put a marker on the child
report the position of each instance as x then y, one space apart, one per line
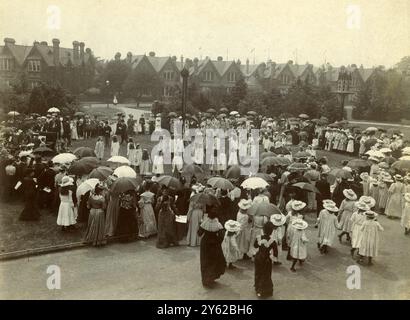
132 155
369 244
158 165
357 219
99 148
264 243
384 185
294 214
405 217
145 161
115 146
365 182
298 243
229 245
345 213
327 224
244 235
67 215
130 142
278 221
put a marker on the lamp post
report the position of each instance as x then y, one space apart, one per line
184 75
107 84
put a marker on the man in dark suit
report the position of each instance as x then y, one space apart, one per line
225 209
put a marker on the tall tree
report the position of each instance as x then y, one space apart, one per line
139 83
116 72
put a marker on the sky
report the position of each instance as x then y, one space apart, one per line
341 32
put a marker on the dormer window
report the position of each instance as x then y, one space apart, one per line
232 76
6 64
34 65
169 75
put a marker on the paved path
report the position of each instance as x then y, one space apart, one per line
139 270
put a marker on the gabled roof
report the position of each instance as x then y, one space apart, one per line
222 66
366 73
19 52
250 71
158 62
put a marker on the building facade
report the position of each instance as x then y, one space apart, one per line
72 68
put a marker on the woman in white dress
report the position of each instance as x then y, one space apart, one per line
395 201
147 225
199 149
298 243
345 213
158 164
73 127
244 236
67 213
405 218
233 150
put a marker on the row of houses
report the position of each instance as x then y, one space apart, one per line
220 76
73 68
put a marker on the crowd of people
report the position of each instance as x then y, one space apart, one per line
213 205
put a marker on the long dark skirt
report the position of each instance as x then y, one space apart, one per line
30 211
211 257
126 226
263 273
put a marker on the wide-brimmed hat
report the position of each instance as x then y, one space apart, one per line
371 214
67 181
232 226
328 201
298 205
368 200
350 194
383 165
330 207
299 224
245 204
362 206
364 176
398 177
278 219
373 159
387 179
407 197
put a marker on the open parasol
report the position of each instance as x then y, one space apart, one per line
170 182
82 152
263 209
124 184
220 183
254 183
125 171
101 173
64 158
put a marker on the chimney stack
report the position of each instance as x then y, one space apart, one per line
76 53
152 54
182 59
196 61
82 52
44 43
117 56
56 52
9 41
129 57
220 58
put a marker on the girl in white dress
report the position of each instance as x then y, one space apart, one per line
73 127
233 150
345 213
229 244
357 219
99 148
298 243
67 213
158 164
115 146
369 244
405 217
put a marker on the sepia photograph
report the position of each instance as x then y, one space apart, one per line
205 150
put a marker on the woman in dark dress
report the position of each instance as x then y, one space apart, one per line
263 264
127 226
96 204
166 225
211 255
29 186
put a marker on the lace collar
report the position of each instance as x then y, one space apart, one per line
211 225
264 242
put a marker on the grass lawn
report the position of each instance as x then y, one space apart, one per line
17 235
388 127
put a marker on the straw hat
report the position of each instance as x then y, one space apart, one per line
407 197
388 179
232 226
298 205
330 207
364 176
245 204
349 194
373 159
328 201
67 181
368 200
362 206
299 224
278 219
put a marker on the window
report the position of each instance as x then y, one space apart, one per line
34 65
285 79
232 77
208 76
169 75
6 64
167 91
34 84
